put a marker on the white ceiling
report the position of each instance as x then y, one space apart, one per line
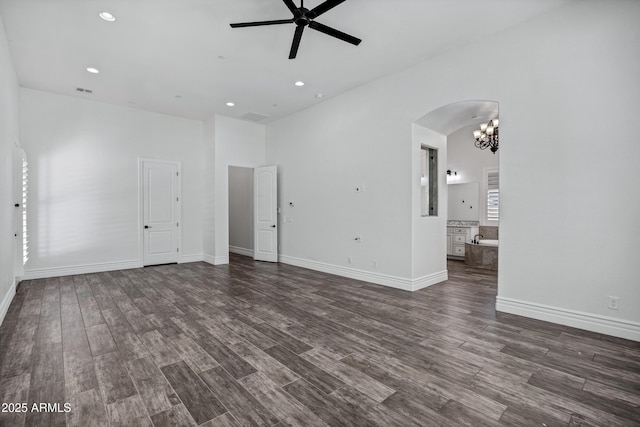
180 57
449 118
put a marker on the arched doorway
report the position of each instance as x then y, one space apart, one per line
446 134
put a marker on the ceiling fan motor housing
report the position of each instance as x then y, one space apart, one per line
300 17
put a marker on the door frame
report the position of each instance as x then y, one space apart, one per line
241 251
141 162
226 201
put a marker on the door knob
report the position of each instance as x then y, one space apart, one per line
147 226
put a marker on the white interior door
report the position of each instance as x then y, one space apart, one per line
265 230
161 202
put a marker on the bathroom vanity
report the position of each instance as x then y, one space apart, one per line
459 233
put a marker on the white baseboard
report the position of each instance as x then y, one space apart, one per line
367 276
576 319
216 260
430 279
241 251
6 301
220 260
41 273
190 258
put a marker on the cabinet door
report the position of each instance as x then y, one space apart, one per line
449 244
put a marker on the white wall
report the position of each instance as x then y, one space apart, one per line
470 163
463 202
466 159
573 72
9 108
237 143
241 210
569 205
84 200
209 191
324 153
429 234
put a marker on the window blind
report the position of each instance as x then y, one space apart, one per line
493 196
25 194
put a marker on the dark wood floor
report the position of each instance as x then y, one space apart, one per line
275 345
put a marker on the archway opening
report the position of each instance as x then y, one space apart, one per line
465 183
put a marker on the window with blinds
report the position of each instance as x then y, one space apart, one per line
493 196
25 194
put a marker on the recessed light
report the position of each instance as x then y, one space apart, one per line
230 104
93 70
319 95
299 83
107 16
220 57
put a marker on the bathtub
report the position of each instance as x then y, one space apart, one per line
483 254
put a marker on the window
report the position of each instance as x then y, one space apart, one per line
429 181
25 191
493 196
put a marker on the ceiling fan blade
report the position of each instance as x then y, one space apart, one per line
334 33
260 23
322 8
296 41
292 7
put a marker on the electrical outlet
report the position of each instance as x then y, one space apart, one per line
614 303
374 264
349 260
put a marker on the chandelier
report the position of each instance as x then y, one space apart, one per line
487 136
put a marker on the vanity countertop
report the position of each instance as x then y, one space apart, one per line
455 223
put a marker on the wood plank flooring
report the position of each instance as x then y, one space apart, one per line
257 344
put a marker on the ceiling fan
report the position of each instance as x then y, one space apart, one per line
303 17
